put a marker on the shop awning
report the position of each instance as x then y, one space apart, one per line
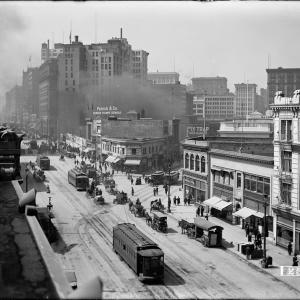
112 159
132 162
246 212
221 205
211 201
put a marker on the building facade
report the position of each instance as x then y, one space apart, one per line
163 77
214 107
48 99
286 193
245 97
140 64
216 86
286 80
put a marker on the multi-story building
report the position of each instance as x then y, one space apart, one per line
286 80
48 98
47 53
232 178
216 86
163 77
140 64
14 105
245 97
286 192
261 103
214 107
30 94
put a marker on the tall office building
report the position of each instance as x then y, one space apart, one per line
245 97
282 79
163 77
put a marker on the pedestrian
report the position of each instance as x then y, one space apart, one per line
189 201
154 191
132 191
198 211
295 260
255 232
247 229
174 200
249 237
157 191
248 252
290 248
178 200
202 211
206 216
184 200
131 181
169 203
166 190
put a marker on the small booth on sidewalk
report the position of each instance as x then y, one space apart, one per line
208 233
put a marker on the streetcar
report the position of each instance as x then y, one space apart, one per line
142 255
78 179
172 179
157 177
43 162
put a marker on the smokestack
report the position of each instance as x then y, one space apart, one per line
76 38
121 33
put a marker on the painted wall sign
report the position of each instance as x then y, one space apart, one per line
107 110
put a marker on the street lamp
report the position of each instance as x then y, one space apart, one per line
26 178
265 232
169 198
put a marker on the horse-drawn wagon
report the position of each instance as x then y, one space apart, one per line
159 222
121 198
137 208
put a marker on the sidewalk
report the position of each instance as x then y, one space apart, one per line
234 234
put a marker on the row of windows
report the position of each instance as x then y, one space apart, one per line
66 82
152 149
257 184
193 163
71 89
114 149
71 75
223 177
71 61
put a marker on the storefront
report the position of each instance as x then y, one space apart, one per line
287 228
194 188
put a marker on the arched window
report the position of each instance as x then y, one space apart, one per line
202 164
192 162
197 163
186 163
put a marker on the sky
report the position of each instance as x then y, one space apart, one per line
196 39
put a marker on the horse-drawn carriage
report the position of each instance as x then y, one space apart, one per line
99 199
157 205
159 222
188 227
38 174
121 198
137 208
110 186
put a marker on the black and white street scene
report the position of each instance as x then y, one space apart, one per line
149 150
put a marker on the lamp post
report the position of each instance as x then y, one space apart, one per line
265 232
169 198
26 178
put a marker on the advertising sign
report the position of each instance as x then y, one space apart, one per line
107 110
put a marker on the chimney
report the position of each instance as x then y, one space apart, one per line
76 38
121 33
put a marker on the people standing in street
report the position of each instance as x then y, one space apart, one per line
169 204
154 191
295 260
174 200
206 216
132 191
198 211
249 237
157 191
189 201
289 248
178 200
131 181
202 211
247 229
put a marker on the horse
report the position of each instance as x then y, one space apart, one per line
148 219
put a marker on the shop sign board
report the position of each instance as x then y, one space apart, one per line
109 110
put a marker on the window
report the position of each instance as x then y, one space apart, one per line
144 150
239 180
287 193
247 182
286 130
123 151
253 184
287 161
260 185
186 161
217 176
192 162
197 163
71 75
133 151
203 164
66 75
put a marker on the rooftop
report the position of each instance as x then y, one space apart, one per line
23 273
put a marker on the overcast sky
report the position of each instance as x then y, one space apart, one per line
231 39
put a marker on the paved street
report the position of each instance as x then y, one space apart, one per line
191 271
